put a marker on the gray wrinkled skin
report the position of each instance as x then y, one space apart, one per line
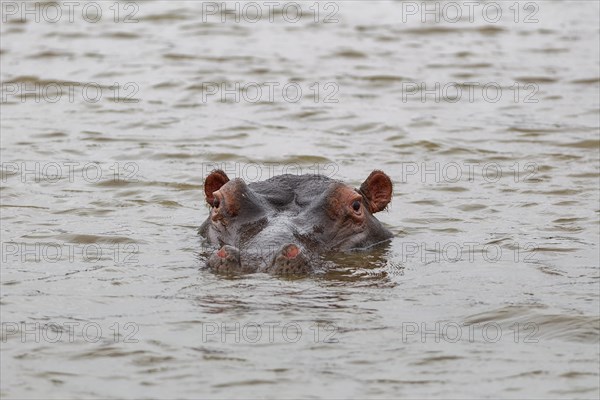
282 211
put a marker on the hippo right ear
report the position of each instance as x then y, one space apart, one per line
213 182
377 189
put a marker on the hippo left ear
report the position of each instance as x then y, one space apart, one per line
377 189
213 182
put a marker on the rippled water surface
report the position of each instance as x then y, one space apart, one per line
490 287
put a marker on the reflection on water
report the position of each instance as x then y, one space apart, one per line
489 131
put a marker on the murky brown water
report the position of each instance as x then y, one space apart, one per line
490 287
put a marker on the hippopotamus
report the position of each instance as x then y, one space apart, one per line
281 225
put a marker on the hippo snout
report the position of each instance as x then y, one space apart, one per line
290 259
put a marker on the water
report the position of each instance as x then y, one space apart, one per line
489 288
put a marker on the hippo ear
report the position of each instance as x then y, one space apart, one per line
377 189
213 182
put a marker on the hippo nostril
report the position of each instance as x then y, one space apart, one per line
290 260
227 260
216 203
291 251
222 253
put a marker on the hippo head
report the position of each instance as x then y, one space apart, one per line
281 225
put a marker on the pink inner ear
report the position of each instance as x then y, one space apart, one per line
213 182
377 188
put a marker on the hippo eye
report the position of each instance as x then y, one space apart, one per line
216 203
356 205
